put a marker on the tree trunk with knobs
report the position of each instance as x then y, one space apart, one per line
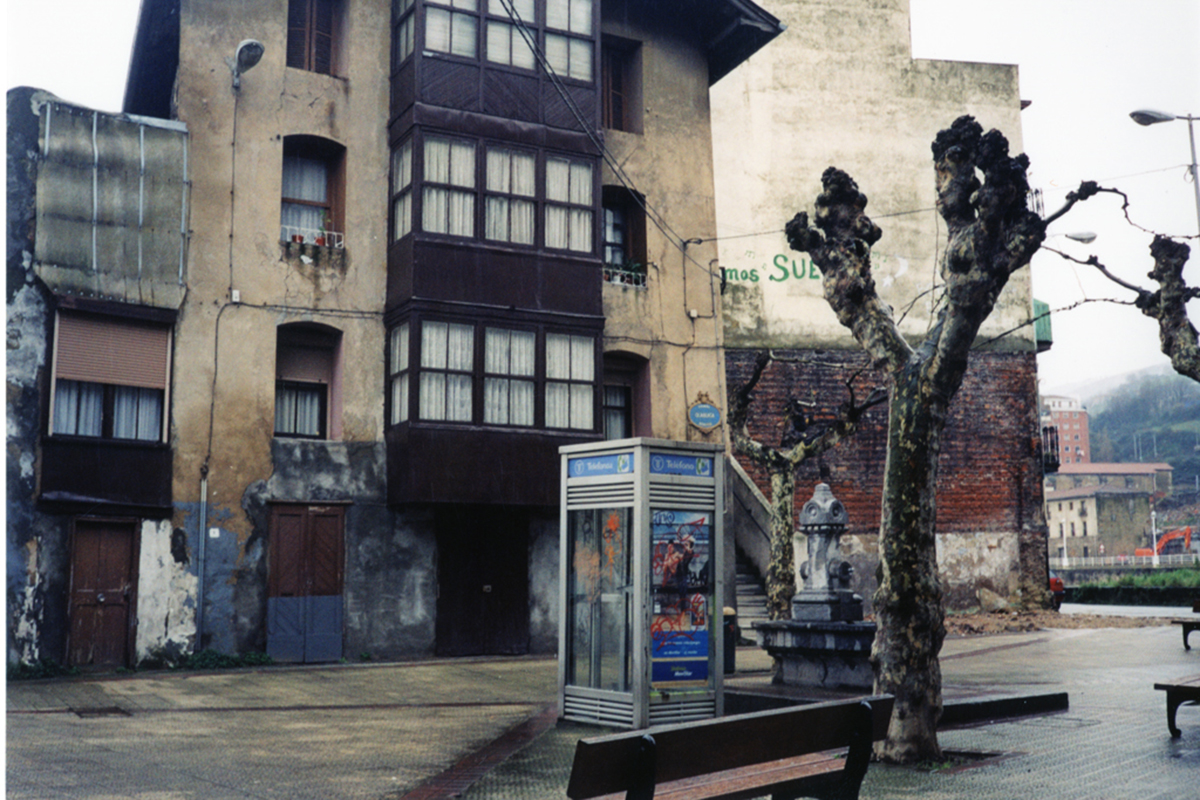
991 235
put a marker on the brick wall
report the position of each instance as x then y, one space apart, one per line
989 471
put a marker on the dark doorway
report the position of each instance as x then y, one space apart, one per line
103 593
304 585
483 581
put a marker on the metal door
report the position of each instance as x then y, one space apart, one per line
103 595
304 588
483 581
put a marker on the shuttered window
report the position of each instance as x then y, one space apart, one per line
310 43
110 377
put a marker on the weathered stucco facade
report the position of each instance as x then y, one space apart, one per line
1094 521
840 88
301 495
671 326
97 214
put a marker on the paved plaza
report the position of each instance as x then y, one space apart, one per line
486 728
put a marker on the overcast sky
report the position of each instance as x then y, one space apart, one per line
1084 65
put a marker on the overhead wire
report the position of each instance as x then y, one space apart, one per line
674 238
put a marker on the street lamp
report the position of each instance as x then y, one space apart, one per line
1086 237
1147 116
249 52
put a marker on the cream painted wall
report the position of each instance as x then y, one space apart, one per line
237 138
675 321
840 88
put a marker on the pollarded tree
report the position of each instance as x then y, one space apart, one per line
991 235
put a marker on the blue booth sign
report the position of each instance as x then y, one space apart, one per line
704 415
690 465
593 466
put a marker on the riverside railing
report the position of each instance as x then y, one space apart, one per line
1174 561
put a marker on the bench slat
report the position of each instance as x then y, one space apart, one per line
747 782
607 764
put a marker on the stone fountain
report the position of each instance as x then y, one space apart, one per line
826 643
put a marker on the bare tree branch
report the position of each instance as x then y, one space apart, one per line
803 440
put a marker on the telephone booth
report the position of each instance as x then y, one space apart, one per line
641 577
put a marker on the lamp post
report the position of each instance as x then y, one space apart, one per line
1149 117
1154 537
1066 562
1086 237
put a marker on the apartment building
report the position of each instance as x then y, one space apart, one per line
408 250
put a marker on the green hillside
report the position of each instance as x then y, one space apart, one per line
1151 418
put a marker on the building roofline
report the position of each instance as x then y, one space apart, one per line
1115 469
1095 491
736 30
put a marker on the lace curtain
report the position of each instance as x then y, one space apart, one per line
78 408
402 197
137 413
508 401
298 410
569 57
445 395
398 368
569 358
447 210
570 15
304 179
509 219
506 45
568 182
79 411
447 32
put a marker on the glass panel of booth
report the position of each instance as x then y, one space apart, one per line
601 593
682 586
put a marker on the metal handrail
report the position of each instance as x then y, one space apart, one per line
1173 560
314 236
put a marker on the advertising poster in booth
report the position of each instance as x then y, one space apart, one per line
681 583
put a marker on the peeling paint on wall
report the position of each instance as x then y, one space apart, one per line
969 562
166 608
543 585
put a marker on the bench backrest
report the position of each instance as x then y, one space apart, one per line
609 764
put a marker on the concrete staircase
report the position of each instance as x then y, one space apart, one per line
751 597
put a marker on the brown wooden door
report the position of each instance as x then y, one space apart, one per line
304 587
103 593
483 581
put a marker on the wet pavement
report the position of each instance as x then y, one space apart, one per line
486 728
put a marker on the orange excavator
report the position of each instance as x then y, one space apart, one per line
1171 543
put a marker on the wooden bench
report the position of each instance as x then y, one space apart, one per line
1189 625
787 753
1186 690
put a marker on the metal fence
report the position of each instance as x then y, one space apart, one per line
1173 561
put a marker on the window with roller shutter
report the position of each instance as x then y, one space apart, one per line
110 378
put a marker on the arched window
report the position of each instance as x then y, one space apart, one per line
307 396
312 191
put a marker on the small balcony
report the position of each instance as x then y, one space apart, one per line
105 473
629 274
319 237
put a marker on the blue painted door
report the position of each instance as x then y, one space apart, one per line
304 603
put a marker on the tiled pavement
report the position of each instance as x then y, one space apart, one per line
485 728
